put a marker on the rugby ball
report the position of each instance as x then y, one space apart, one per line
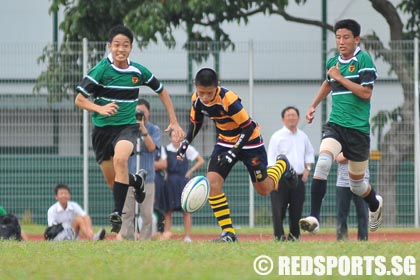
195 194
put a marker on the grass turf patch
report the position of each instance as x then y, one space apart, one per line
173 259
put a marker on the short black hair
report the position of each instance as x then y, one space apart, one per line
120 29
206 77
349 24
287 109
144 102
61 186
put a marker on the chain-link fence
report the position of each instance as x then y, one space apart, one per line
41 140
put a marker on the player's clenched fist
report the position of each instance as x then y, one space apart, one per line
310 114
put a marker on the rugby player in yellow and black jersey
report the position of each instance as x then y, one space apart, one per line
238 139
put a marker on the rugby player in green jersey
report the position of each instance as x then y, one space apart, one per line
350 78
113 85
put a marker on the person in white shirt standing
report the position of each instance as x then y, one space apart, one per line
295 144
73 218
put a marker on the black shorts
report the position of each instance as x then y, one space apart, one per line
355 143
255 161
105 138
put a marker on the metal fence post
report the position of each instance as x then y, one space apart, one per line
416 133
85 136
251 112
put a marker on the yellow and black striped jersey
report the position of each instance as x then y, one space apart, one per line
229 116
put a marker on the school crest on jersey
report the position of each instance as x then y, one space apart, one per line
351 68
135 79
255 161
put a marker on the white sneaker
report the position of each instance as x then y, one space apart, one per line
187 239
309 224
375 218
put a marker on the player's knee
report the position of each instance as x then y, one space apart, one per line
358 187
323 166
358 168
120 163
77 222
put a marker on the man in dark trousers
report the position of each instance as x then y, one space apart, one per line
295 144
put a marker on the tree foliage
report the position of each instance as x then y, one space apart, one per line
90 19
202 21
151 19
412 8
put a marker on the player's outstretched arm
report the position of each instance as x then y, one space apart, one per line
323 91
174 126
193 129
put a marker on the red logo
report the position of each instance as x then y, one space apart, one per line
351 68
135 79
255 161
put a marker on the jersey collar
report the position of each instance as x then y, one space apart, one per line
356 51
111 60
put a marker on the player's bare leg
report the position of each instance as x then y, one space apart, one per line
281 168
219 204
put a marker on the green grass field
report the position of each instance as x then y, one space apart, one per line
172 259
179 260
39 229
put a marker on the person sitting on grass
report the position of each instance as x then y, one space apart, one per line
71 216
10 227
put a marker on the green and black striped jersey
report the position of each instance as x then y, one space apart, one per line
349 110
106 83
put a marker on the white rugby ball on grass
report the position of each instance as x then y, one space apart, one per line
195 194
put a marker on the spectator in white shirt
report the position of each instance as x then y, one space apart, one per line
71 215
295 144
